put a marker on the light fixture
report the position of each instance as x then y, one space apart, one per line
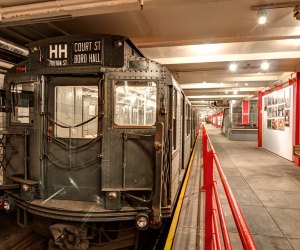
142 221
25 188
263 8
265 66
235 92
112 195
236 84
9 205
246 84
262 17
233 67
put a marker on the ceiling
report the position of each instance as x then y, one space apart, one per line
195 39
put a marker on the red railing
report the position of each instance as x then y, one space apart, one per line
212 237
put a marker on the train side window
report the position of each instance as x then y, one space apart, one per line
76 107
135 103
188 119
22 103
174 118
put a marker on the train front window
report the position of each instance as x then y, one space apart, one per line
76 109
135 103
22 103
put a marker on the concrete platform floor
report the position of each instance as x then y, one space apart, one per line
190 228
267 189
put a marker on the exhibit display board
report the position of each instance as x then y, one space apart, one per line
277 122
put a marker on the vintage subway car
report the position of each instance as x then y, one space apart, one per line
94 132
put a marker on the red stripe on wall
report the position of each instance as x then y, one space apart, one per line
259 107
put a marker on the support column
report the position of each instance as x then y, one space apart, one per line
297 115
245 110
259 122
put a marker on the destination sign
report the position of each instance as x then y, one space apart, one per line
75 53
86 52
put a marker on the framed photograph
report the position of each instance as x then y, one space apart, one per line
280 124
274 124
269 123
287 117
280 111
274 111
287 97
266 101
270 100
269 112
275 100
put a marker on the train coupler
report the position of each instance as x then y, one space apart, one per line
68 237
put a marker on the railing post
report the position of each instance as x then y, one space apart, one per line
209 200
204 155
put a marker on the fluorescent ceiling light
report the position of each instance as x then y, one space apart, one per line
214 96
262 17
233 67
262 20
265 66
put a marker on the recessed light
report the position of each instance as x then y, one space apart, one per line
262 17
265 66
233 67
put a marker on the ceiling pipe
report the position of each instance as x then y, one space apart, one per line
57 8
13 48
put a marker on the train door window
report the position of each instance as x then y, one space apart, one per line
75 108
22 103
174 118
135 103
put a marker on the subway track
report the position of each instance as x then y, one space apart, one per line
25 239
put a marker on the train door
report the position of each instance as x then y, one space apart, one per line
128 146
73 144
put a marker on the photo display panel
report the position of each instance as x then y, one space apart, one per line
277 122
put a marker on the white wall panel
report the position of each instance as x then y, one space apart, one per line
278 141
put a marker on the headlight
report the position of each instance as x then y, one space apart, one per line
9 205
142 221
112 195
25 187
6 206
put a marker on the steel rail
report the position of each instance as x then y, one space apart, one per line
225 233
241 224
216 231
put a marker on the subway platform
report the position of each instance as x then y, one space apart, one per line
266 187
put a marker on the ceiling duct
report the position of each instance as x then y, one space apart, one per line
297 12
13 48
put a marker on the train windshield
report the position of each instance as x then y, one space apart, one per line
135 103
22 103
76 109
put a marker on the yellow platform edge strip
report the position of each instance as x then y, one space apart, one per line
173 227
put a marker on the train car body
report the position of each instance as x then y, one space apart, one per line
94 132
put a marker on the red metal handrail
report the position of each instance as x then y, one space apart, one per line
211 232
